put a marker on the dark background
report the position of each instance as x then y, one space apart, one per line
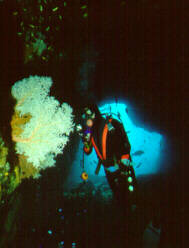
137 50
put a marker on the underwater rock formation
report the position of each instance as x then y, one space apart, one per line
40 128
101 192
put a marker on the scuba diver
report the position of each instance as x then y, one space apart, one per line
109 139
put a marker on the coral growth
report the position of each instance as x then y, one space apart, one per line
40 129
46 133
3 154
17 123
4 169
27 169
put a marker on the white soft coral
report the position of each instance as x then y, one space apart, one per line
47 132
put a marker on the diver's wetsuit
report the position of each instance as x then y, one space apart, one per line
117 173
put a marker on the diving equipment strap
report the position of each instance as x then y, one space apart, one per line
104 136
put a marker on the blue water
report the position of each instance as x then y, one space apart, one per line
149 149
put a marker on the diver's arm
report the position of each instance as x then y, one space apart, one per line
86 139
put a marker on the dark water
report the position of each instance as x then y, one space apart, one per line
140 58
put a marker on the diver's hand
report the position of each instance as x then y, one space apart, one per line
87 137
